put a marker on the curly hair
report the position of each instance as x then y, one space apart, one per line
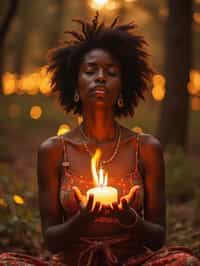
121 41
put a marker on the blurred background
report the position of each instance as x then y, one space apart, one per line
29 113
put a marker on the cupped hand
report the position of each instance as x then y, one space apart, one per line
123 209
86 205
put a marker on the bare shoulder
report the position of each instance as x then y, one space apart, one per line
150 148
51 147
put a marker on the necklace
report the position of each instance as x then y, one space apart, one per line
114 154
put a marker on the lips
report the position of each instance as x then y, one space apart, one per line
99 90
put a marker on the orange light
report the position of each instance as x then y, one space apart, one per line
98 4
196 17
195 103
158 91
18 199
35 112
137 129
79 119
64 128
9 83
45 81
3 203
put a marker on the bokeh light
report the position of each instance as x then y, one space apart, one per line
195 103
64 128
196 17
35 112
3 203
98 4
137 129
158 90
18 199
9 83
194 83
79 119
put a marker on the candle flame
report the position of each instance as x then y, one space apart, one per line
99 176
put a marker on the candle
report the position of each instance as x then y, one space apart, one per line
102 193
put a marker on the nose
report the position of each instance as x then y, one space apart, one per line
100 77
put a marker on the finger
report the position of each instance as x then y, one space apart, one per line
90 202
96 207
115 206
77 194
125 205
133 192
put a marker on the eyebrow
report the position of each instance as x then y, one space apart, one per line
94 64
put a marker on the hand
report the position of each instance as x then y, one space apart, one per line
86 205
123 210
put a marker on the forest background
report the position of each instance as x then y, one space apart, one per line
29 112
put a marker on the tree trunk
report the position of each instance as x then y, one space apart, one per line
4 29
173 127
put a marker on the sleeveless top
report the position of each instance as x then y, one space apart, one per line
123 185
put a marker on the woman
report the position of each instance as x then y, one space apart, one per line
102 74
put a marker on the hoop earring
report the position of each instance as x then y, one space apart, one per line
76 97
120 101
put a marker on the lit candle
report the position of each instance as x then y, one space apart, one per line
102 193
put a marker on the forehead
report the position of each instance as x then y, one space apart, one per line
99 56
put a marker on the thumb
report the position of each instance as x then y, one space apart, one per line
77 194
132 192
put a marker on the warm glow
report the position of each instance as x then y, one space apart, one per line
137 129
130 1
18 199
9 83
112 5
102 193
14 110
99 176
35 112
3 203
45 81
64 128
158 91
98 4
196 17
164 12
30 84
79 119
195 103
194 83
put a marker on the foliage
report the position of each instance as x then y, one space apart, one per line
19 226
181 177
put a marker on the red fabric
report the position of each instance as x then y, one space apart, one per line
173 256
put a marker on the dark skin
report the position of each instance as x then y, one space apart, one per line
99 85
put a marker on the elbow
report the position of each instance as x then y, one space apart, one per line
160 240
52 244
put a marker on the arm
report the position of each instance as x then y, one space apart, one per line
57 235
149 231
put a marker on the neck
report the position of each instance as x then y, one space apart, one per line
99 126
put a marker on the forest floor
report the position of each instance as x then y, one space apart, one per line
18 155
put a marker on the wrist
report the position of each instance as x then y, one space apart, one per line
130 220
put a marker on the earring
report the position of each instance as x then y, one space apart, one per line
76 97
120 101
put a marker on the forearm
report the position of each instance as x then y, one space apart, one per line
146 233
149 234
58 237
